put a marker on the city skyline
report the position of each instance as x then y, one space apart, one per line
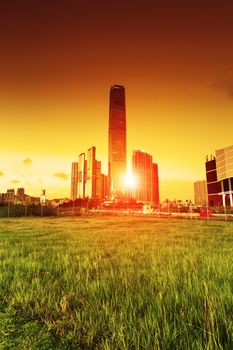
65 176
57 63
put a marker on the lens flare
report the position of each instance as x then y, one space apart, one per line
130 181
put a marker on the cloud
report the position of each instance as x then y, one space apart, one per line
27 161
1 173
14 182
61 176
225 86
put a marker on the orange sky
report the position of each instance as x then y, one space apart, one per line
58 61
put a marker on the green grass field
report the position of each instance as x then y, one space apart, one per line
116 283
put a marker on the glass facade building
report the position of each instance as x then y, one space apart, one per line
82 166
117 140
145 173
74 181
219 177
200 192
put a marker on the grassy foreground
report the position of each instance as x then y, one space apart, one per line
115 283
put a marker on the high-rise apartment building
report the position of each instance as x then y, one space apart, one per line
98 193
74 181
91 173
142 171
82 166
200 192
104 186
155 183
146 177
94 177
117 140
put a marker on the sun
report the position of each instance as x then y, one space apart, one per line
130 181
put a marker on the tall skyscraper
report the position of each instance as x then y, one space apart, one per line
91 173
74 181
98 193
142 170
155 183
117 140
200 192
93 188
104 186
146 177
82 166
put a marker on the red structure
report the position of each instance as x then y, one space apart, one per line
146 177
117 140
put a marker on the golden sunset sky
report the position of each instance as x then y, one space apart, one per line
59 59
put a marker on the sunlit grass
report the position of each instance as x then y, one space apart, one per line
115 283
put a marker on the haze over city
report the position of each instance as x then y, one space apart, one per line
58 62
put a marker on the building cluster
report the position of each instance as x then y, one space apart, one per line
87 180
217 189
20 197
17 197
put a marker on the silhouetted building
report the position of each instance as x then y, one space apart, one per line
90 190
94 176
82 166
20 193
146 177
155 183
18 197
74 181
98 193
200 192
104 186
117 140
21 197
213 185
10 195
